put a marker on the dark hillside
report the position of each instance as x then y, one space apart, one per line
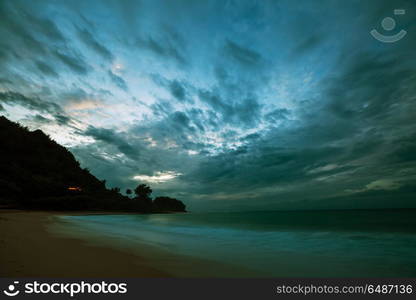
36 172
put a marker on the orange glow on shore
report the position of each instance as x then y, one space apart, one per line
74 188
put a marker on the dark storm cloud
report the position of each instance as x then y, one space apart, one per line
113 138
161 108
5 81
184 128
41 119
257 166
371 85
366 109
77 94
46 27
21 27
199 118
245 112
175 132
75 63
91 42
3 53
241 54
46 69
35 103
162 47
308 44
370 104
118 80
277 115
16 31
259 102
62 119
405 151
177 90
181 119
251 137
175 126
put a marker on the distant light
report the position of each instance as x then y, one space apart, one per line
74 189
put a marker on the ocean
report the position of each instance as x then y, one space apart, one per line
348 243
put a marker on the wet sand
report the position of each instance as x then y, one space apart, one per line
29 249
40 244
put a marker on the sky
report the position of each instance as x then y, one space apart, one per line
225 105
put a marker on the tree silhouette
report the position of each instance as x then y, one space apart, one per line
143 191
142 198
168 204
116 189
129 192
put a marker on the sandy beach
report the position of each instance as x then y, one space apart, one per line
40 244
28 249
58 244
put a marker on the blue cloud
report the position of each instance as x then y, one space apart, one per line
268 100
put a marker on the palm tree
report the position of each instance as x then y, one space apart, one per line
143 191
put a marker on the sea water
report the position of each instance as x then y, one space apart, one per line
379 243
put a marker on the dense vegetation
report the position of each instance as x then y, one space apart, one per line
38 173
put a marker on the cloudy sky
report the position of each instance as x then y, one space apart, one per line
226 105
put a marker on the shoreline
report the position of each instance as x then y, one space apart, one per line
54 244
40 244
28 249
